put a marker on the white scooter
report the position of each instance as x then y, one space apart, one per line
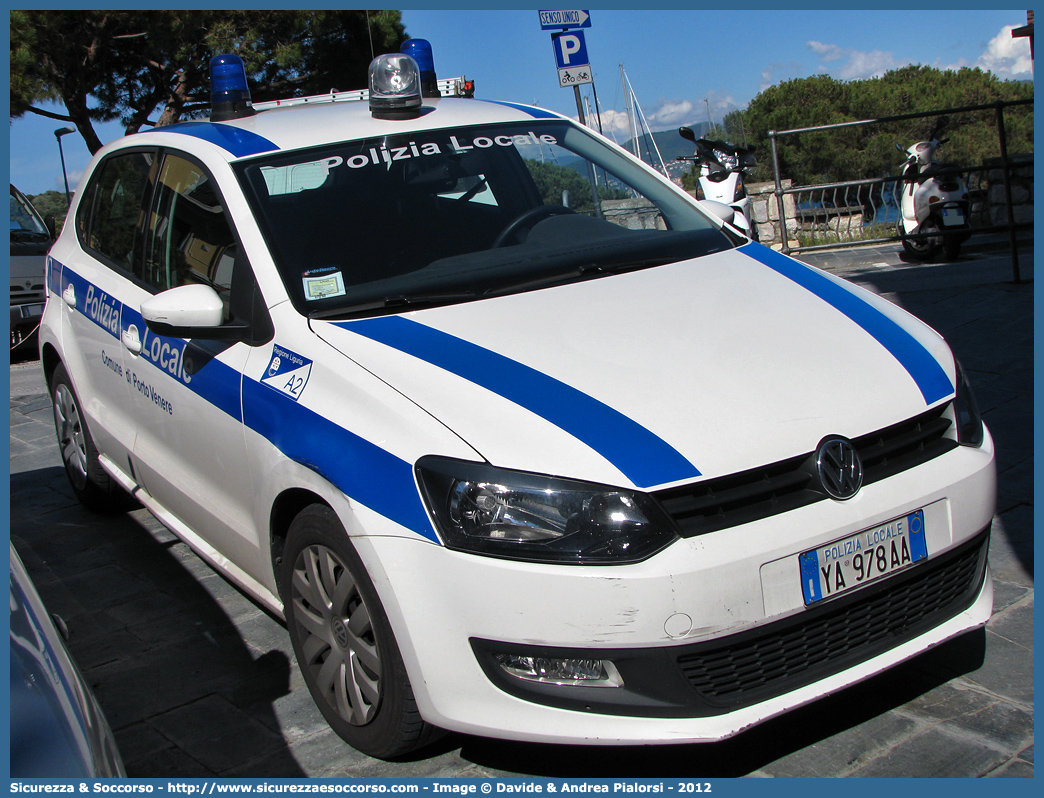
933 211
721 177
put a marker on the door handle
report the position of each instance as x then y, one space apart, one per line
69 296
131 340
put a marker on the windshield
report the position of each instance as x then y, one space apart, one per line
443 216
25 221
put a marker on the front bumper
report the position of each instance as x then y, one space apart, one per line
738 671
711 635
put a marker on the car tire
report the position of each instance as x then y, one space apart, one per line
93 487
344 643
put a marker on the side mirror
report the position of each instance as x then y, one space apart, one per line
686 133
196 310
724 212
187 306
52 226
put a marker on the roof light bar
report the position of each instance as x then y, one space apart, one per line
229 93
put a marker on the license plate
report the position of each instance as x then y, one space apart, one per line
862 558
32 311
952 217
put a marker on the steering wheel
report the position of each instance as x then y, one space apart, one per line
528 218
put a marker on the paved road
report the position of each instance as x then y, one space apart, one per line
196 680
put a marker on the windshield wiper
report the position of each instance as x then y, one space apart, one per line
577 273
395 301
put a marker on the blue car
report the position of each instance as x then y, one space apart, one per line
57 728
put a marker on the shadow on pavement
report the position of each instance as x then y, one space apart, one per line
180 688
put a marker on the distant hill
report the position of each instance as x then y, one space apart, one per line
671 145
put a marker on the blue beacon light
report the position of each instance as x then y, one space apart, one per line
420 51
229 94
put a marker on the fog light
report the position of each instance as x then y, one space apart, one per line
565 672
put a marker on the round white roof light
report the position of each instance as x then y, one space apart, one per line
395 87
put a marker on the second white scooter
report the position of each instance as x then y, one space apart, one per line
721 177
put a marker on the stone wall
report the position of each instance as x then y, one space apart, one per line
1021 177
765 211
634 214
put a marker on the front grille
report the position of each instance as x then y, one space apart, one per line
725 502
753 666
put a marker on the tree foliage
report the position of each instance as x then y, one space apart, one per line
151 67
51 203
552 180
868 151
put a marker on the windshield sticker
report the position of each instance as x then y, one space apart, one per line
287 372
323 283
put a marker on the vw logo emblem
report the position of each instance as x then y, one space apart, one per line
839 467
340 633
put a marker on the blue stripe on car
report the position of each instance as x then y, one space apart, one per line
536 113
641 456
237 141
361 470
925 370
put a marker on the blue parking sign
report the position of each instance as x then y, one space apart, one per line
570 49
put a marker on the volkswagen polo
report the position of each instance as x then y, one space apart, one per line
519 439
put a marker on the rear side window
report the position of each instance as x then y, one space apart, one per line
109 218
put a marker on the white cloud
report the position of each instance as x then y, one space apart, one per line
614 124
665 115
1006 57
868 65
826 52
853 64
671 114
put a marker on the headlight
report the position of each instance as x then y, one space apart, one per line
969 421
521 516
741 190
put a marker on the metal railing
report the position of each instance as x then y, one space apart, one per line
857 212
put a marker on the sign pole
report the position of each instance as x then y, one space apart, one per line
579 105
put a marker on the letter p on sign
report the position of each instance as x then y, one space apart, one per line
570 49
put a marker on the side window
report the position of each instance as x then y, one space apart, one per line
108 218
188 238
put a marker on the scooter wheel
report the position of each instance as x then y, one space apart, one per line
921 248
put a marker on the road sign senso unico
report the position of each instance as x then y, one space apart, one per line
564 20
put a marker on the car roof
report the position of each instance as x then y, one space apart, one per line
311 125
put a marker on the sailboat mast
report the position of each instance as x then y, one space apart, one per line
630 117
640 117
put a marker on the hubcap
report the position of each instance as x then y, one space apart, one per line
70 435
337 639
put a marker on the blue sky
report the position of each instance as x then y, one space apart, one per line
682 64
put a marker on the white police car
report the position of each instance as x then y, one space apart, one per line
519 440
